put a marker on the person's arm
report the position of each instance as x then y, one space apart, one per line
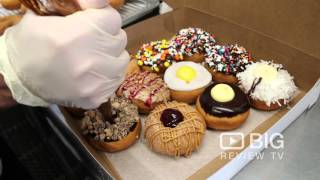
78 60
6 99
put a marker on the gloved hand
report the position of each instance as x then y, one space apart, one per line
75 61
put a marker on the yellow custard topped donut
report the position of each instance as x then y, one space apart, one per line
187 76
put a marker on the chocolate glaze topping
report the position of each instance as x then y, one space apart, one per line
255 83
239 104
171 118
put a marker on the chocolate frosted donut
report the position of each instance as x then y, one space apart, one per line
192 43
223 106
224 62
238 105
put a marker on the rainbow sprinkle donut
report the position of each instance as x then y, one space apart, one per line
191 41
229 59
157 56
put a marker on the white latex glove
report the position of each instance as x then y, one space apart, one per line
77 61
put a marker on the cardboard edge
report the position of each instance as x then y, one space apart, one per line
174 4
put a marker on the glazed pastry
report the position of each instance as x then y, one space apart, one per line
223 106
268 85
186 81
8 21
11 4
116 133
174 129
156 56
144 89
60 7
52 7
224 62
192 43
117 4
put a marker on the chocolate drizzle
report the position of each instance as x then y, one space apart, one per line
239 104
171 118
255 83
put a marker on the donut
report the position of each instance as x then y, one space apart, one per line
145 89
268 85
8 21
192 43
132 67
156 56
174 129
75 112
116 133
117 4
11 4
224 62
223 106
52 7
186 81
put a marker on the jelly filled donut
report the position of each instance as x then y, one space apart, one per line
192 43
144 89
224 62
174 129
156 56
116 133
223 106
268 85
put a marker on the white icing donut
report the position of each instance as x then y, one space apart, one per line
276 83
200 76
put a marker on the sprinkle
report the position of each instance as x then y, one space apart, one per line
192 40
156 53
156 69
229 59
166 64
140 63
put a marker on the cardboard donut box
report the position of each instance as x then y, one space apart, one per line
284 31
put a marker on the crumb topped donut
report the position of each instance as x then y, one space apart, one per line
174 129
192 43
144 89
186 81
115 133
268 85
224 62
223 106
156 56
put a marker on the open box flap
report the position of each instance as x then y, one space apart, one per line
295 23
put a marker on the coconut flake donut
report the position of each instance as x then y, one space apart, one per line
192 43
268 85
145 89
186 81
174 129
156 56
224 62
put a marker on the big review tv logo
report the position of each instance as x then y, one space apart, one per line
236 141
